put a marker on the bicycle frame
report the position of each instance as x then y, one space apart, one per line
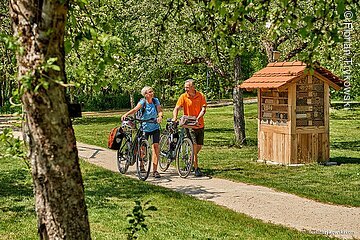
172 152
135 149
134 141
176 151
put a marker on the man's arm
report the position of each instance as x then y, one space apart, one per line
202 113
175 112
177 107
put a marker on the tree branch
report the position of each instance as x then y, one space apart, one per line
249 18
208 62
295 51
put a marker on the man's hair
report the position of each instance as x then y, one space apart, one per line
145 89
191 81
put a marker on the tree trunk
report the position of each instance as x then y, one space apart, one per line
2 91
269 48
239 119
132 100
39 26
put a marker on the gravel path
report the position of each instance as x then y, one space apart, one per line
256 201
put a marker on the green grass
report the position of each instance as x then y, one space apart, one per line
110 197
331 184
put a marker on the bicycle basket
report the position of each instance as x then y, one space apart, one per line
187 122
128 125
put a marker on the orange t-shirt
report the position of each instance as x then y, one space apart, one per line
192 105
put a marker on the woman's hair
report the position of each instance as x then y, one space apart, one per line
145 89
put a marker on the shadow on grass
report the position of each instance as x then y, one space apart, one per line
212 172
226 142
15 192
219 130
14 184
251 142
102 186
97 120
345 160
350 145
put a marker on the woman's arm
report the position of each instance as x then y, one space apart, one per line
132 111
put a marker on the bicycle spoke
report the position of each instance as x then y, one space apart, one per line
123 156
164 160
143 163
185 158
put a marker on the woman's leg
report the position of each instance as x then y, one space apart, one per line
155 149
155 155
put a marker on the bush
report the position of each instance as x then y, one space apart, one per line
104 102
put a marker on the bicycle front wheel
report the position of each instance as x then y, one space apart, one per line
185 157
164 161
143 163
123 155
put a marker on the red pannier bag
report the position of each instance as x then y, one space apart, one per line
115 137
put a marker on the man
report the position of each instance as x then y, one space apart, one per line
194 104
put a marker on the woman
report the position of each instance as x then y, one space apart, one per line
152 110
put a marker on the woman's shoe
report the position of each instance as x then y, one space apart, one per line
156 174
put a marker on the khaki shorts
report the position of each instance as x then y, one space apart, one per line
196 135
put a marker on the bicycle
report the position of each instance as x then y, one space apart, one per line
178 147
134 149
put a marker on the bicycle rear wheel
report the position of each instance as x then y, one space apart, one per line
164 161
143 163
185 157
123 155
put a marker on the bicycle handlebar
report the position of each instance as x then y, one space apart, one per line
151 120
169 120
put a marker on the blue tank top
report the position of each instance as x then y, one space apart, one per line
150 113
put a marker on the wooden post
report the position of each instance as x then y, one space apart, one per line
259 125
292 124
326 138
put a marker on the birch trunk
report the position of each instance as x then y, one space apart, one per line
239 119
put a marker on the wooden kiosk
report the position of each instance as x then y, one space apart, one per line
293 112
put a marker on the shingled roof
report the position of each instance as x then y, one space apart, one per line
280 74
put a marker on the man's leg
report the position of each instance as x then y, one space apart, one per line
197 149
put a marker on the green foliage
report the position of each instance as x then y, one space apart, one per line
104 101
137 219
9 108
13 147
113 45
10 42
7 57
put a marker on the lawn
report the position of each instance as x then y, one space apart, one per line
110 197
331 184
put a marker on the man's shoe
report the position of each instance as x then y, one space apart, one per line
198 173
